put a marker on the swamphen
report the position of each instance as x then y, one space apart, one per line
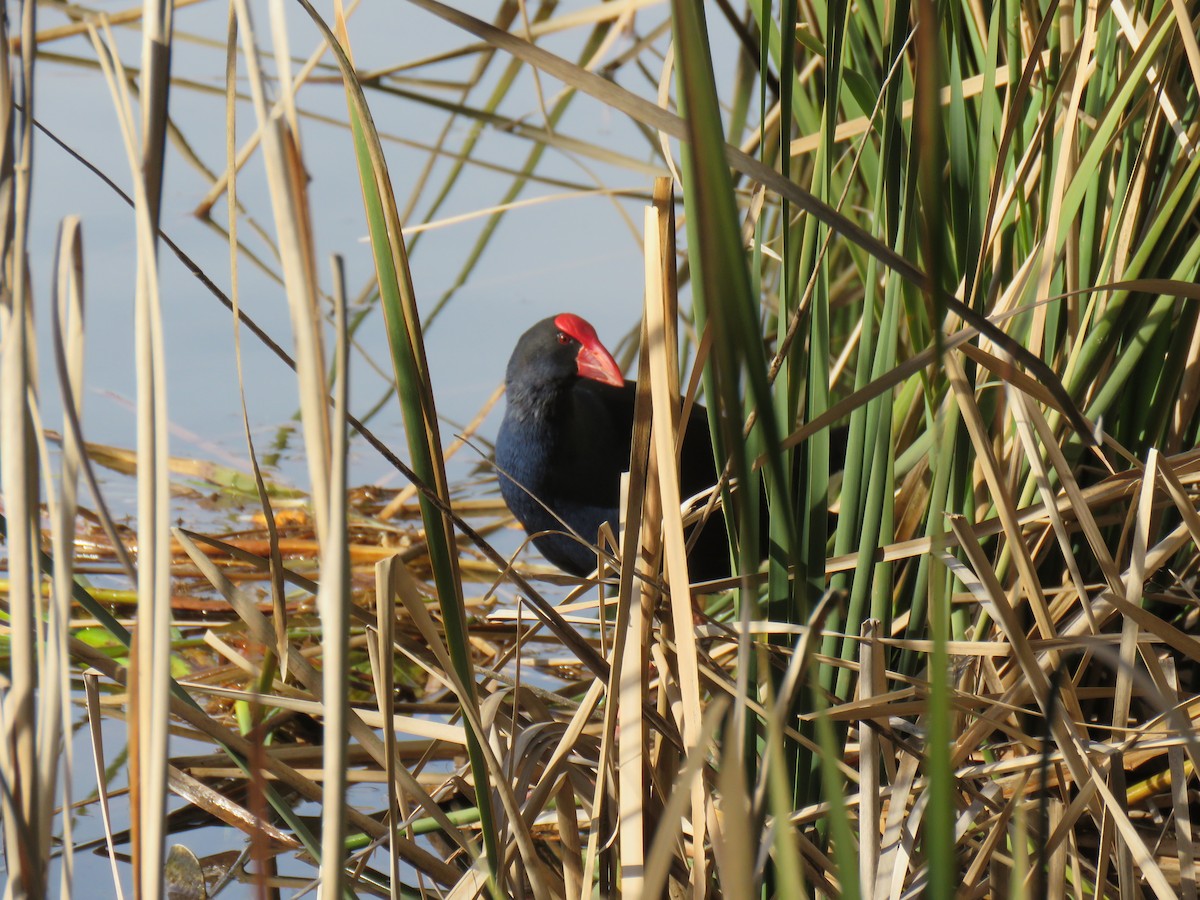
565 441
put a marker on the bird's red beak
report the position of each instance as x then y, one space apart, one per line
594 360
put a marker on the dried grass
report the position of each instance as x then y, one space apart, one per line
967 667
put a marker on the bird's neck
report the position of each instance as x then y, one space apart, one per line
538 403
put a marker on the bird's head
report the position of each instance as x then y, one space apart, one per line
559 349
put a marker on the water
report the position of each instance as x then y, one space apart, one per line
577 255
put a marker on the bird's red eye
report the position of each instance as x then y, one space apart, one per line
564 338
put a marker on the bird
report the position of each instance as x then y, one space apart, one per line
565 440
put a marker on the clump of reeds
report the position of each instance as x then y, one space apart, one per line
938 268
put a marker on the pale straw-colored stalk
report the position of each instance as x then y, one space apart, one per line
23 806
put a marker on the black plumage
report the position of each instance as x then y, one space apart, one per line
565 441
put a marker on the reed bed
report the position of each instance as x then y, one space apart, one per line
931 268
